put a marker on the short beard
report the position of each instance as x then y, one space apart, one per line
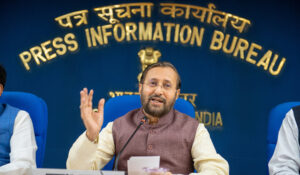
156 113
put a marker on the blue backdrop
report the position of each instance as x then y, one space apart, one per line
240 91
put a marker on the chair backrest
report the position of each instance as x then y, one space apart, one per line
276 116
120 105
37 109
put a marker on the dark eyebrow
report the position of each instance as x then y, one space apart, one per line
167 81
152 79
164 81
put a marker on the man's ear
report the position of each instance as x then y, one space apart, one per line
140 87
1 89
177 93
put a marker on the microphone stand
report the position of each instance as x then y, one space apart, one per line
138 127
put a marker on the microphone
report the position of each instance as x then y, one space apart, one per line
144 120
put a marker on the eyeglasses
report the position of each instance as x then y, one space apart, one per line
155 84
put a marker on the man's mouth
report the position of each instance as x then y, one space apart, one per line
157 100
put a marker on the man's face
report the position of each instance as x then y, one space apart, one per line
158 92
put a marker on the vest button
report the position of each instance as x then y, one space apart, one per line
149 147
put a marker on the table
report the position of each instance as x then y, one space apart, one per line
47 171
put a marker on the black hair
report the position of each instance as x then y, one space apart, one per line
161 64
2 75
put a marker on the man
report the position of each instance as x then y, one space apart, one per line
17 140
181 142
286 157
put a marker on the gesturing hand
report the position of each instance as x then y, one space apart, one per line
92 120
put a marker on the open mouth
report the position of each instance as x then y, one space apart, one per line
157 100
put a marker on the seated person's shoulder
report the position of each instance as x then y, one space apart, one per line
185 117
23 113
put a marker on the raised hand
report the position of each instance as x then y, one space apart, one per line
92 120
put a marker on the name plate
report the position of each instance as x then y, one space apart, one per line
46 171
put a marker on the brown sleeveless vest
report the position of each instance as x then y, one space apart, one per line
171 139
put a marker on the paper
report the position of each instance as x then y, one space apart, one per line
136 164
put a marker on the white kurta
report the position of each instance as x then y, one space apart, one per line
286 157
23 147
86 155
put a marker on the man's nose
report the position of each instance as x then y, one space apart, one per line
158 90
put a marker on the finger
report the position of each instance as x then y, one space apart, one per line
83 96
82 103
90 98
101 107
